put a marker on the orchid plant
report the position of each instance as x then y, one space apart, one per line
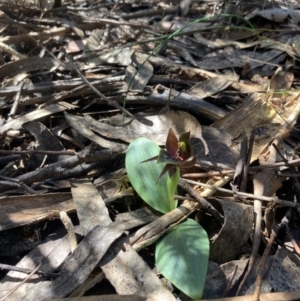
182 254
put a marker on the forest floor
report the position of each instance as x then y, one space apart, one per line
90 89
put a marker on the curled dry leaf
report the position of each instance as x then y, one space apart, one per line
237 226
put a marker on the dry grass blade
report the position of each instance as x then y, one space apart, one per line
20 284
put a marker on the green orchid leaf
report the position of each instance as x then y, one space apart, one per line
143 176
182 257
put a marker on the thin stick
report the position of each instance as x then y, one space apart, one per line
43 152
14 289
246 195
17 183
261 267
204 204
26 271
263 261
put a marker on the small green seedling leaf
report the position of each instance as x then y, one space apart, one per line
182 257
143 176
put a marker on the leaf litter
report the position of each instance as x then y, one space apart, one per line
225 72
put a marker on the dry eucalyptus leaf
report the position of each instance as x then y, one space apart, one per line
29 64
226 58
137 76
16 124
252 113
219 153
22 210
215 281
94 40
237 225
185 7
46 140
212 86
184 100
296 45
266 182
267 56
282 276
80 125
231 58
275 14
132 219
50 253
130 274
280 15
91 209
282 79
154 128
219 145
75 46
283 45
182 52
118 56
76 268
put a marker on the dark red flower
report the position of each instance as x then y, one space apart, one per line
178 154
